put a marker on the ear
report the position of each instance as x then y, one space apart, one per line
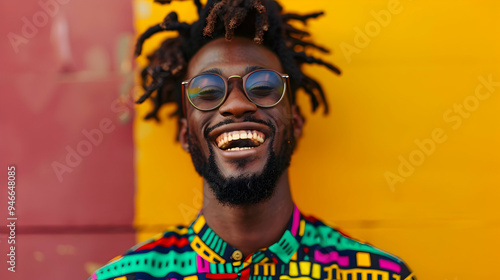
297 121
183 134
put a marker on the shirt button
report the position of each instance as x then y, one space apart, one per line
237 255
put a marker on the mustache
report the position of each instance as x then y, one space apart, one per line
245 119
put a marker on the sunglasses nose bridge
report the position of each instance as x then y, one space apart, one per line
236 101
231 87
233 76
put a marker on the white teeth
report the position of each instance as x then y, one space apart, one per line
255 136
239 149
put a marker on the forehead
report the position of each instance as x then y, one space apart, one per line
232 57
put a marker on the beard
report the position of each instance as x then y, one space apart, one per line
243 189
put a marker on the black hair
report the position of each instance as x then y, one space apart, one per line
262 19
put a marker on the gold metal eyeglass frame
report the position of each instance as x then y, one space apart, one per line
185 84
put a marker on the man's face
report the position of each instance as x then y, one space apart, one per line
239 176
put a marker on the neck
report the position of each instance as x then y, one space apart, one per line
250 227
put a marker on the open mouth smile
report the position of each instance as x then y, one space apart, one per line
241 139
238 140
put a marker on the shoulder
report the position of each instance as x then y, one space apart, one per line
148 255
333 245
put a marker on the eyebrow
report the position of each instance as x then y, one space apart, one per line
212 70
252 68
218 71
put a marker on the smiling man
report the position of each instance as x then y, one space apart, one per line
234 74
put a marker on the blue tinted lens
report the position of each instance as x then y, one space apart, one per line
206 91
264 87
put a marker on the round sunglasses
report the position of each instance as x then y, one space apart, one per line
207 91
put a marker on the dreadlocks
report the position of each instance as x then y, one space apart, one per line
228 18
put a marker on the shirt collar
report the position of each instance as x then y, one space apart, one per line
213 249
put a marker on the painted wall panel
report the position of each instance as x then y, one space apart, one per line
65 80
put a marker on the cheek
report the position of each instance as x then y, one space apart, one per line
283 118
196 126
198 147
195 133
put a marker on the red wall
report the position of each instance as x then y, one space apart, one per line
63 67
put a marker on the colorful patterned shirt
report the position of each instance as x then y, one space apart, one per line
308 249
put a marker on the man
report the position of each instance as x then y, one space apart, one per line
234 74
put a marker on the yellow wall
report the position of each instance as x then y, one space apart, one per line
396 88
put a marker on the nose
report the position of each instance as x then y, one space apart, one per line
236 103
